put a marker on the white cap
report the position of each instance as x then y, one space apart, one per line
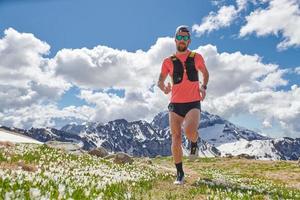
182 28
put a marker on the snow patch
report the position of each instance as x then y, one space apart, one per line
261 149
16 138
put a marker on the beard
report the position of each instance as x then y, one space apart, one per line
181 48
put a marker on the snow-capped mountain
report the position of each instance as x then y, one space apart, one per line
140 138
230 139
213 129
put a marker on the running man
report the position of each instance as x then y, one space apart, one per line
186 95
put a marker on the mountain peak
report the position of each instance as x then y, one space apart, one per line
217 136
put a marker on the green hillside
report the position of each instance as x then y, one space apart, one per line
29 171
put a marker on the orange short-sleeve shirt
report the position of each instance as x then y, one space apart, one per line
186 91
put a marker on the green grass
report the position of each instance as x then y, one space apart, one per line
61 175
232 178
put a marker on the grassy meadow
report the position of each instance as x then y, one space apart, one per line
31 171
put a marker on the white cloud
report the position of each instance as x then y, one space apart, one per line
282 106
103 67
45 116
242 4
238 83
297 70
243 84
88 69
24 76
214 21
232 71
269 17
280 17
224 17
135 105
267 124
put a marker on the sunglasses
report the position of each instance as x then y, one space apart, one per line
180 37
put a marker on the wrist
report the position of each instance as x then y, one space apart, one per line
161 85
203 87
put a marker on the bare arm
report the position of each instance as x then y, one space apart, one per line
161 81
205 75
161 84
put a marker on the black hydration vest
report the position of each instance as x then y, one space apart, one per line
179 69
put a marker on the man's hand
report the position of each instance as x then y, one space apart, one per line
165 89
168 89
202 93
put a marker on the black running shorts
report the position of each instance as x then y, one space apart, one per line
183 108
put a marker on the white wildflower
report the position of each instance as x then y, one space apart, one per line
34 193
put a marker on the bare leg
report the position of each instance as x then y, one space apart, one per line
191 123
175 127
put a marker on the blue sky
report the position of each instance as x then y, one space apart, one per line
129 25
136 25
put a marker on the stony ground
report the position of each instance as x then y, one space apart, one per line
29 171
